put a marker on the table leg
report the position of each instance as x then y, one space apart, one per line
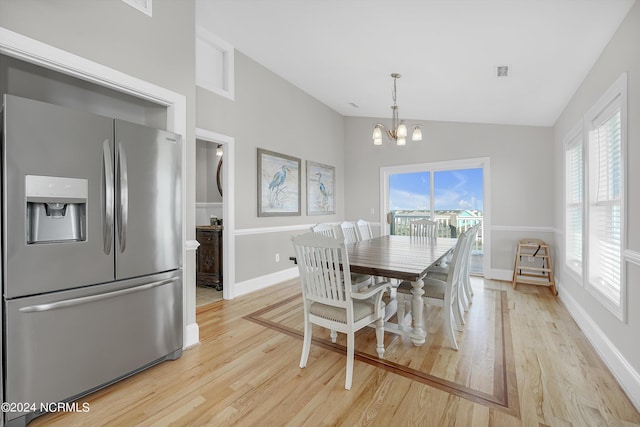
419 334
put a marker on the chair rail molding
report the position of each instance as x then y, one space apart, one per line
521 228
191 245
278 229
209 204
285 228
35 52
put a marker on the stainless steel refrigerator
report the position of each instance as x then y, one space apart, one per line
91 252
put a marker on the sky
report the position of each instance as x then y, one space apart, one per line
454 190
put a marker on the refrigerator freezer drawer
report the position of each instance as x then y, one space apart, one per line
69 343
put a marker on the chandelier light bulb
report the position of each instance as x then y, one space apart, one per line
401 132
417 134
402 141
377 134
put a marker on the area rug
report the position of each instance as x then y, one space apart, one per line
482 370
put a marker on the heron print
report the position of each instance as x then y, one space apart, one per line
279 182
277 187
320 189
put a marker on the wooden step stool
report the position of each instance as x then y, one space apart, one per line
533 264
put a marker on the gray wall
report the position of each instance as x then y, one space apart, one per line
32 81
521 184
160 50
206 171
117 35
621 54
270 113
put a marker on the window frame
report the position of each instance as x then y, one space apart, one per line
220 78
615 97
574 138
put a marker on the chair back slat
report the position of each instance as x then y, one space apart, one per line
364 228
466 257
324 230
423 228
319 262
457 263
350 232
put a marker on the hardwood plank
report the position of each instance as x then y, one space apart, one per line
244 373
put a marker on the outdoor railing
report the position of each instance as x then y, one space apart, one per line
399 224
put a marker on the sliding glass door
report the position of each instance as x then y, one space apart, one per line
450 193
409 199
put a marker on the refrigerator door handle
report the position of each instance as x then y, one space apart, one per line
107 226
123 211
92 298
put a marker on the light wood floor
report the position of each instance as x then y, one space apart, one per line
206 295
245 372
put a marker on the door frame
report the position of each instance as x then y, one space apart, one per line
479 162
228 209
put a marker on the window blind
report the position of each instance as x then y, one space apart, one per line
605 213
574 197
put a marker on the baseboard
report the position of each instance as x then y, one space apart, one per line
496 274
252 285
625 374
191 336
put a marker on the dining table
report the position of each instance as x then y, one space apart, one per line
405 258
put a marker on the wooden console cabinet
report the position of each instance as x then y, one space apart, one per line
209 256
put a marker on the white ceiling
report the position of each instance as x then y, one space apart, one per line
343 51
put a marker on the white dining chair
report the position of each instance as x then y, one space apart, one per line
324 229
329 304
443 293
441 271
358 281
423 228
466 274
350 232
364 228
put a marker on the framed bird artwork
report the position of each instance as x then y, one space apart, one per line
320 189
278 184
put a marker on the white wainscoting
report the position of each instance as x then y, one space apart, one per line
262 282
257 283
265 230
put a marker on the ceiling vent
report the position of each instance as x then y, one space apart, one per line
502 71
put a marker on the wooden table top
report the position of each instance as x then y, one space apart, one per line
397 257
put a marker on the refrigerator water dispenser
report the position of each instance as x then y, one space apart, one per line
56 209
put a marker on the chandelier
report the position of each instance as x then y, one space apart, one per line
398 131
